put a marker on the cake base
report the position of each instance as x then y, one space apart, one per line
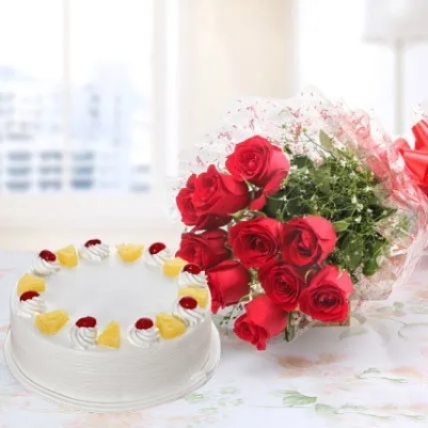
195 382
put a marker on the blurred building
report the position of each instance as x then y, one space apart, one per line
42 149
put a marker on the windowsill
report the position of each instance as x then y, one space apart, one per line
29 222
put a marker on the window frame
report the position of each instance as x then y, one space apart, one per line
74 210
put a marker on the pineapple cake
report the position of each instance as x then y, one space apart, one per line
111 328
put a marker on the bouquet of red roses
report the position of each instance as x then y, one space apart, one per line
295 210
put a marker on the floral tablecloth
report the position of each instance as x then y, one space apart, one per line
372 374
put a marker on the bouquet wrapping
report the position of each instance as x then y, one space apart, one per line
299 210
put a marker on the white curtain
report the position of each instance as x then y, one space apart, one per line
230 48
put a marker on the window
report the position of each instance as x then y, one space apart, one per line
83 110
334 56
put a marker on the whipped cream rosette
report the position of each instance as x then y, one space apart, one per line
94 250
83 334
143 333
45 264
31 304
188 310
192 275
157 254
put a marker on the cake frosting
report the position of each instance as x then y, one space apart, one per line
117 326
187 309
144 333
94 250
30 304
45 263
192 274
157 254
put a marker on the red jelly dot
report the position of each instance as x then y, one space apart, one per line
188 302
193 269
92 242
144 324
89 322
47 255
28 295
157 247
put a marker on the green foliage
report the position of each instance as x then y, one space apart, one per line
342 190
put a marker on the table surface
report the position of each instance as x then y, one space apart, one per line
372 374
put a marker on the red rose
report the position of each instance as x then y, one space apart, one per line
307 240
262 320
282 284
326 297
187 209
228 282
219 194
184 202
255 242
204 249
261 163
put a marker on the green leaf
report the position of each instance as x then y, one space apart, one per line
370 267
295 399
360 318
273 206
326 141
398 305
195 397
324 409
355 251
353 331
324 183
341 225
302 161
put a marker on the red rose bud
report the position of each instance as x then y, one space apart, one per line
228 282
218 194
282 284
47 255
255 242
204 249
258 161
262 320
261 163
307 241
326 298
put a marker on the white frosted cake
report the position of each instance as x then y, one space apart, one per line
112 328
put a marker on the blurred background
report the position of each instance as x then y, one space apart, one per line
98 97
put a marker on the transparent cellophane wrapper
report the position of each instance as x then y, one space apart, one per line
279 120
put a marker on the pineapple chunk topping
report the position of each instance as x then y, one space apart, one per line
67 256
169 326
173 267
130 252
31 283
110 337
51 323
